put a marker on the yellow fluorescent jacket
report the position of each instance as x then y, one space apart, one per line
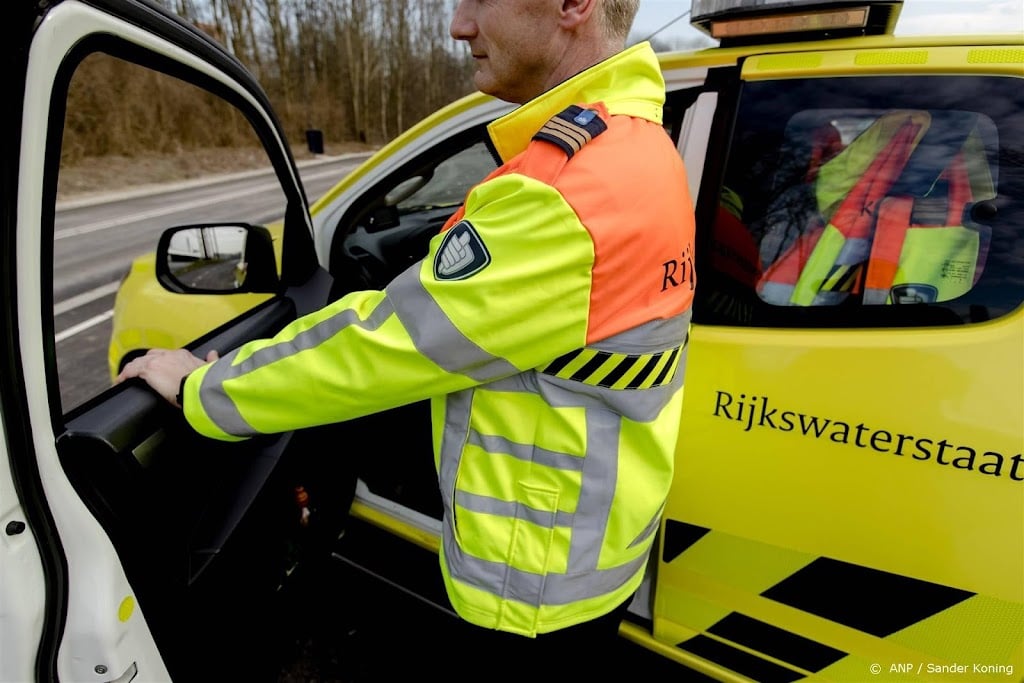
547 325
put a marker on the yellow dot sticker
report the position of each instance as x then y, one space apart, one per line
124 612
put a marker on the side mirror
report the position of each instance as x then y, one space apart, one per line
217 259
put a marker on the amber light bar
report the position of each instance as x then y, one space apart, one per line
822 20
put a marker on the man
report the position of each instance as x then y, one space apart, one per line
547 324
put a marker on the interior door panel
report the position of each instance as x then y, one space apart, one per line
198 522
144 447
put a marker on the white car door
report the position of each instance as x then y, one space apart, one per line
128 552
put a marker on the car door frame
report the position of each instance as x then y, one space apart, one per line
86 622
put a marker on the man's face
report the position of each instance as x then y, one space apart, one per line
515 43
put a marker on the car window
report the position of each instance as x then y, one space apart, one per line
450 181
383 233
391 227
142 151
870 201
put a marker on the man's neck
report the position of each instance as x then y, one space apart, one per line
579 56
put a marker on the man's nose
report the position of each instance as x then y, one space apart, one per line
462 27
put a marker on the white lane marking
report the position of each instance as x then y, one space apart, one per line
81 300
157 213
85 298
83 326
107 289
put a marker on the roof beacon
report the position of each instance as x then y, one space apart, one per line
743 22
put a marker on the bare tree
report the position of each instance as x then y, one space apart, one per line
273 17
361 70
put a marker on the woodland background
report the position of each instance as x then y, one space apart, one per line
359 71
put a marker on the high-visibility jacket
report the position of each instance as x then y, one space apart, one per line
824 265
869 241
923 251
547 324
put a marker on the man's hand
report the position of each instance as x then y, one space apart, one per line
163 369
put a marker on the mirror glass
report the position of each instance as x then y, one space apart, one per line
210 258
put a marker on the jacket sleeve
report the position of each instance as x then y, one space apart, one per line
504 290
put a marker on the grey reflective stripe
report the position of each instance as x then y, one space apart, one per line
640 406
588 524
222 410
643 357
217 406
782 294
600 471
526 452
527 587
604 411
492 506
776 293
649 337
874 297
651 527
435 336
456 433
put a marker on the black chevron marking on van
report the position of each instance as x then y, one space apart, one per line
869 600
735 659
678 537
775 642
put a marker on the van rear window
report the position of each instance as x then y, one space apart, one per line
877 201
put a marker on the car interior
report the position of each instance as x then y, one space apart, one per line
953 172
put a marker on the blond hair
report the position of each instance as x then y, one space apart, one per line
619 16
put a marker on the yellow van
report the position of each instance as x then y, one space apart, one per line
848 501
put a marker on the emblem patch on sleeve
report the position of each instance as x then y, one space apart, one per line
462 253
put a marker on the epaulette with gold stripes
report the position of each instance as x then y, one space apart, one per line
572 128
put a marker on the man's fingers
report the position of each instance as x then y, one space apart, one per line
163 369
131 369
159 359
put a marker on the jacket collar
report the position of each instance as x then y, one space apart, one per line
629 83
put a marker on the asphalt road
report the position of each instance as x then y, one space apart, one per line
96 241
363 631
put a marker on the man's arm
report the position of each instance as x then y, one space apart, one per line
506 292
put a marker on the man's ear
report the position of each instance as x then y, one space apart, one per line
576 13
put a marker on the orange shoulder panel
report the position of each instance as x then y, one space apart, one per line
630 191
